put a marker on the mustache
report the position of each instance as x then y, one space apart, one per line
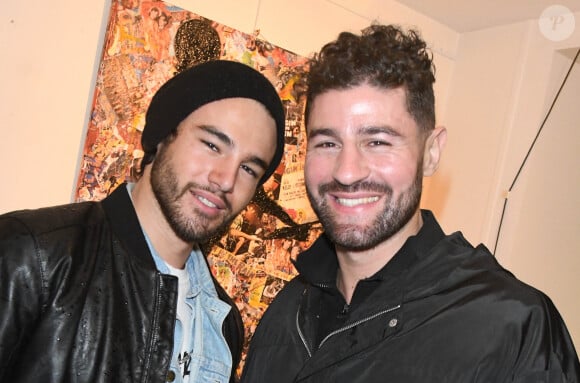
356 187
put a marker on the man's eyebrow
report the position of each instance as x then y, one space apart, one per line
313 132
217 134
381 129
367 130
230 143
258 161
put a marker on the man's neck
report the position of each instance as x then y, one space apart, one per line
355 265
172 249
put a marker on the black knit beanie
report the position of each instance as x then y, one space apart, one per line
204 83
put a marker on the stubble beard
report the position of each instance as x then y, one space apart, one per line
355 236
195 227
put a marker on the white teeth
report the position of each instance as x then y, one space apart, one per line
357 201
206 202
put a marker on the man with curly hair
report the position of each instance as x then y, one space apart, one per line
384 295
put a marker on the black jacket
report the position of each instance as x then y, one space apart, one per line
81 299
439 311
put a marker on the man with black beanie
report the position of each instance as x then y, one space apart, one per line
118 290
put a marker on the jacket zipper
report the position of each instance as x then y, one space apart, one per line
302 337
358 322
342 329
154 326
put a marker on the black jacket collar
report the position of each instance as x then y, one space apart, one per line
123 219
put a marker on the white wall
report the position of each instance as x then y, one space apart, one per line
503 82
539 239
543 212
477 112
492 91
47 72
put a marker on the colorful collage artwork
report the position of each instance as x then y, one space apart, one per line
146 43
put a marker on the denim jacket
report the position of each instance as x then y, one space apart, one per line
211 360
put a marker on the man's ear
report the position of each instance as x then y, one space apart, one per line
433 147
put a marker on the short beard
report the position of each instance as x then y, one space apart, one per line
395 215
166 189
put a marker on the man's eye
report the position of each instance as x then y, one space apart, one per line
249 170
379 143
211 146
326 144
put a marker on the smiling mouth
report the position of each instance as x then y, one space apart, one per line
350 202
207 202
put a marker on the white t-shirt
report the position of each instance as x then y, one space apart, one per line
185 316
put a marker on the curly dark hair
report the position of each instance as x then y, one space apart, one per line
384 56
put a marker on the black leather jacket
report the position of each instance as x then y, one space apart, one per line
439 311
81 299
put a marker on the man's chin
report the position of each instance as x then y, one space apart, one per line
212 230
199 232
345 233
352 243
